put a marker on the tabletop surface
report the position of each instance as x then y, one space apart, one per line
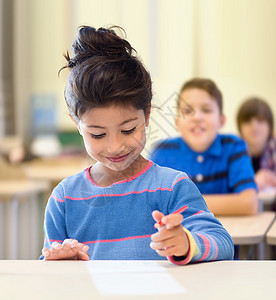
271 234
21 186
55 169
103 280
246 230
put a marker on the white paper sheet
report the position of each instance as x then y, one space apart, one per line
132 278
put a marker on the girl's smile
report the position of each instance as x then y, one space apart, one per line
118 159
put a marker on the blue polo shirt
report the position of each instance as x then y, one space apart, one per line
222 169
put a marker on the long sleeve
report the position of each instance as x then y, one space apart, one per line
208 239
54 222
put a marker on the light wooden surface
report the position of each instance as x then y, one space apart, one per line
271 235
248 230
10 171
56 169
70 280
13 193
21 187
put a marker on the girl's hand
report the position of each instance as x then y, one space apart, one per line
264 178
70 249
170 239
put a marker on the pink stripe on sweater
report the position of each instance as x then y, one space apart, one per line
57 199
197 213
216 247
179 179
129 193
118 240
207 246
118 195
88 176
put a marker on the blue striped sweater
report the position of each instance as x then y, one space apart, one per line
116 221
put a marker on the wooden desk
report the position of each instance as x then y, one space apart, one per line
13 193
55 280
54 170
249 232
271 235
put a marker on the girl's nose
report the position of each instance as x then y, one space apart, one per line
115 145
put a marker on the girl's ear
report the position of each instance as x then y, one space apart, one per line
77 123
147 116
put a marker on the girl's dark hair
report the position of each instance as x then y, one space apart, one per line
203 84
255 107
104 71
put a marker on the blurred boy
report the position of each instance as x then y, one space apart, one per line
218 164
256 124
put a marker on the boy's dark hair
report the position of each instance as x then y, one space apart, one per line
255 107
203 84
104 71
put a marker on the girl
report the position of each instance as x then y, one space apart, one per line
256 124
111 209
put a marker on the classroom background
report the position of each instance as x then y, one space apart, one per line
231 42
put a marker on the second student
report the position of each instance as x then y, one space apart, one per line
219 164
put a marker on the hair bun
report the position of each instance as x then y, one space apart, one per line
102 42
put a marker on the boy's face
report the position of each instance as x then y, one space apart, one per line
199 119
255 132
114 135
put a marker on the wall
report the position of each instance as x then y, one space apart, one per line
237 46
7 116
232 42
42 35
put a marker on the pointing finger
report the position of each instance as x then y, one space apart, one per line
172 220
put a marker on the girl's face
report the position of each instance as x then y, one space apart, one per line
114 135
199 119
255 132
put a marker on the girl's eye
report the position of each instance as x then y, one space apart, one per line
129 131
97 136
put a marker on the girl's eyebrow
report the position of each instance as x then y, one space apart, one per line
102 127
